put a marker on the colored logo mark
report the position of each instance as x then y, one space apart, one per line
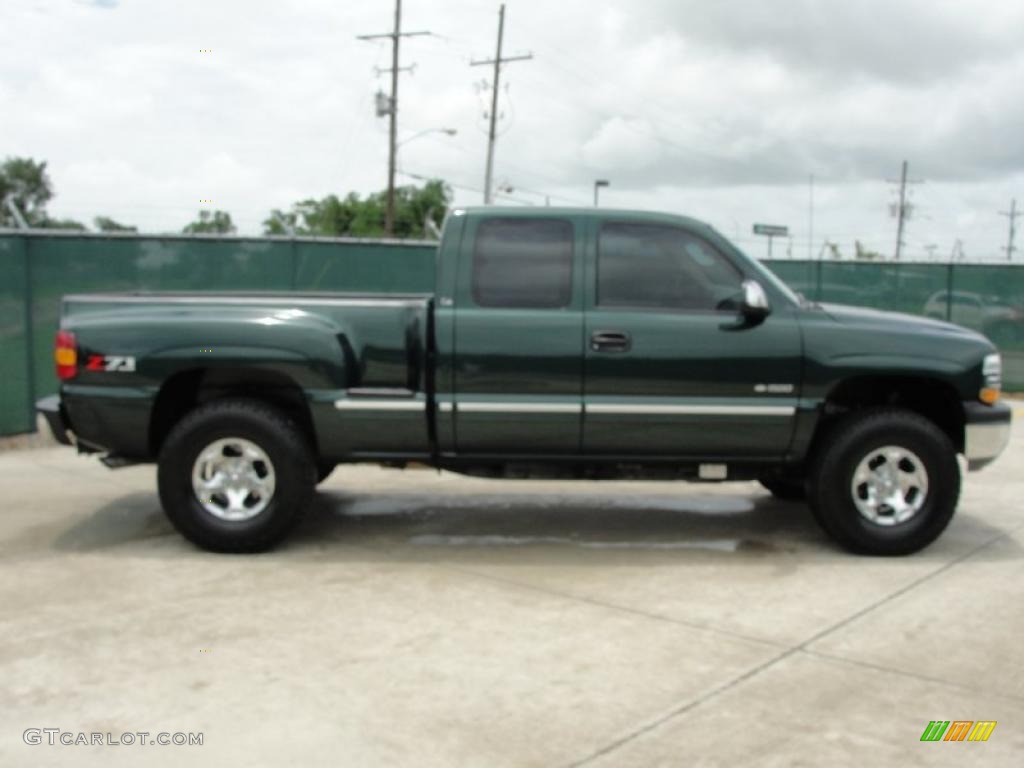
958 730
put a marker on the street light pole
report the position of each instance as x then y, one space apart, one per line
597 186
446 131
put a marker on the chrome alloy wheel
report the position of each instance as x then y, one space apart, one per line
233 479
890 485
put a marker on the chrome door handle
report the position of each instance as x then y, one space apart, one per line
610 341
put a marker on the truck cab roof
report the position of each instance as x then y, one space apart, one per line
620 214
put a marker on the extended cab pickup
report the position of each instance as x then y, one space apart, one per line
566 343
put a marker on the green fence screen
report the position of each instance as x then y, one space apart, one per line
985 297
15 339
36 269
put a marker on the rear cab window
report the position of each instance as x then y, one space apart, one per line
523 263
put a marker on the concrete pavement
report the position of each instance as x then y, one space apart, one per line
419 619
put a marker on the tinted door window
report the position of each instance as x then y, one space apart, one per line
523 263
655 266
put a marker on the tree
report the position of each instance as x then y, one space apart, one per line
106 224
212 222
49 223
28 185
356 217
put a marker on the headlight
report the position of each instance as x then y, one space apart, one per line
992 375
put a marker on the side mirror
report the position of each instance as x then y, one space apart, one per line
755 306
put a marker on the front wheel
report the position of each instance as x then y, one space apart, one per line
235 476
886 482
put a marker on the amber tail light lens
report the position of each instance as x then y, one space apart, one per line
65 355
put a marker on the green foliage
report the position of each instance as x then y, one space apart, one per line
353 216
106 224
49 223
29 187
211 222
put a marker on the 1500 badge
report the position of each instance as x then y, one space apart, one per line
118 363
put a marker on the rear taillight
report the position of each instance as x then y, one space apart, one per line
65 355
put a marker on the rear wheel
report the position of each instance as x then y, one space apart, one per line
886 483
235 476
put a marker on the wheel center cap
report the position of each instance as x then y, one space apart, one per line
233 479
890 485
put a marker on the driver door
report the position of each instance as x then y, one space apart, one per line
669 371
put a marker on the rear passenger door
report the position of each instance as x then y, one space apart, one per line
518 369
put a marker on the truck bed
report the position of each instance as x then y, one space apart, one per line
327 346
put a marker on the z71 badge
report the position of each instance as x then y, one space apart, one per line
118 363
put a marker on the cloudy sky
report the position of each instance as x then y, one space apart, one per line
722 110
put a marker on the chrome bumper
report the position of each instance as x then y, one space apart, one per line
986 434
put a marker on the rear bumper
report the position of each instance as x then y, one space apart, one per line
986 432
52 409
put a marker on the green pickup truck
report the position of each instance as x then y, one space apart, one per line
557 343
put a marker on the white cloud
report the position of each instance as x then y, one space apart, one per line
622 144
719 109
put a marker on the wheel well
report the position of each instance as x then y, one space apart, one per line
935 400
186 390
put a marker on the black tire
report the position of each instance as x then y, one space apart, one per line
831 494
323 470
785 487
291 461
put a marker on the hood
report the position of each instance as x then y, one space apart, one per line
883 320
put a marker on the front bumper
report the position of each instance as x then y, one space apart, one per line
986 432
52 409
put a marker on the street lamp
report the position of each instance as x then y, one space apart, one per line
597 186
446 131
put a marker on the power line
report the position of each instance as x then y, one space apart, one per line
1013 214
392 108
468 188
665 115
497 61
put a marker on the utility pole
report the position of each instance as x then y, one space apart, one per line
497 61
396 35
901 214
902 210
1013 214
